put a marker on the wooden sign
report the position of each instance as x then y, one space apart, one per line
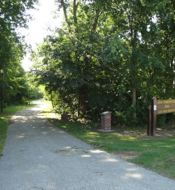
165 106
158 107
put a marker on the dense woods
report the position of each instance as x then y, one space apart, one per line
14 82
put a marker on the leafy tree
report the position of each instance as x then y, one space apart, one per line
109 55
12 15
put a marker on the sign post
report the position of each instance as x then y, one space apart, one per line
149 122
2 72
153 116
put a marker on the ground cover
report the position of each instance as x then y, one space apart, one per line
4 121
154 153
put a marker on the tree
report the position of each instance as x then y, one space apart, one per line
12 15
109 55
135 24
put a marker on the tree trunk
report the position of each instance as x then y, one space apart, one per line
94 25
79 104
75 11
71 105
51 99
65 15
83 107
134 101
83 104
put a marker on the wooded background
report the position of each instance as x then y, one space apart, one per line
108 56
15 86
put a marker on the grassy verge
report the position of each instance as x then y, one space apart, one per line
4 121
155 154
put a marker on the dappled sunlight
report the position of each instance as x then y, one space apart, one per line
42 166
68 147
53 129
45 133
158 144
20 136
135 176
109 160
52 149
61 131
17 118
167 146
85 156
96 151
131 169
126 138
40 116
74 151
35 109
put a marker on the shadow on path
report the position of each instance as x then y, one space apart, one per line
39 156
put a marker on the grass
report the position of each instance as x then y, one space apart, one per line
156 154
4 121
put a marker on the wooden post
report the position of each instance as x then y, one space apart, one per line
153 116
149 122
1 99
1 71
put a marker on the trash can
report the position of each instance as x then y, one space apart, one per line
65 116
106 120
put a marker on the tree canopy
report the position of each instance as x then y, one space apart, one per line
109 55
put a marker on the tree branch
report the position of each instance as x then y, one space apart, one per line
75 11
65 14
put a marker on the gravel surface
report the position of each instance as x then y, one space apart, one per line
39 156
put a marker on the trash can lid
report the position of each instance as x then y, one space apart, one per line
106 112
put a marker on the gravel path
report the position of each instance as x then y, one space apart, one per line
39 156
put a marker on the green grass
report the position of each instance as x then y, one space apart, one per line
4 121
156 154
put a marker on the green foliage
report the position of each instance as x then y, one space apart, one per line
161 119
104 53
12 49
